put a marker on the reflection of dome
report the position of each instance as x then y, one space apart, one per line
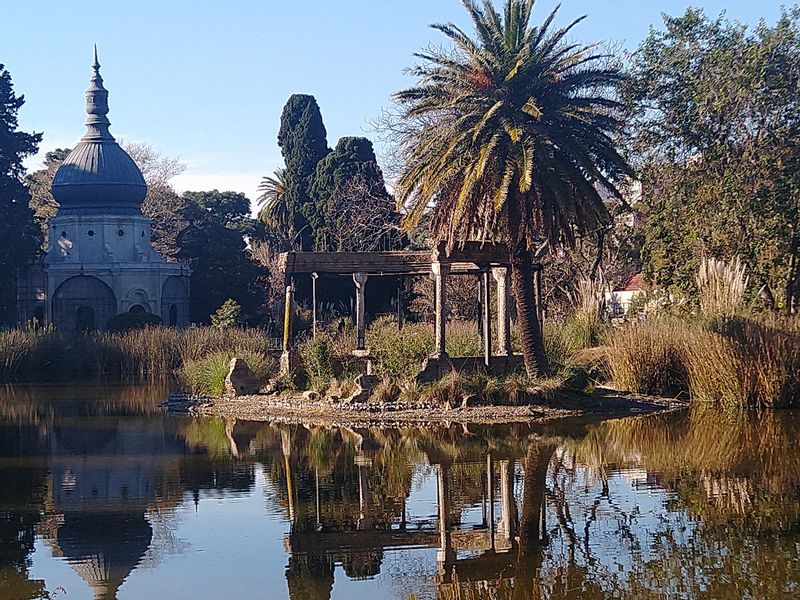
98 175
104 547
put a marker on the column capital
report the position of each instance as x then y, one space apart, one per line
439 268
500 274
360 278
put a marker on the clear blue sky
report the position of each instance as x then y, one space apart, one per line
206 80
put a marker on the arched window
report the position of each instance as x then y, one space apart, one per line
137 309
82 303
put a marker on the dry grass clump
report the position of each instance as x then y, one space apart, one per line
742 362
648 357
721 286
456 388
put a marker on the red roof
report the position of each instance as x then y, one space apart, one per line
634 284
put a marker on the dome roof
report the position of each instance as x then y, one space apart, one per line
98 175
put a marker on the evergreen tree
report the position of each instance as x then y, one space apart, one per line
19 234
351 201
303 143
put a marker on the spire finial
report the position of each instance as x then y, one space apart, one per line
97 105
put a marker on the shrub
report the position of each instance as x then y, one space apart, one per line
317 355
463 339
399 353
227 315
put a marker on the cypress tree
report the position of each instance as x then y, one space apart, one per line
303 142
353 160
19 232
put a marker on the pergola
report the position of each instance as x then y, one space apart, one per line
486 260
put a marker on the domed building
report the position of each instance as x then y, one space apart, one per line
100 262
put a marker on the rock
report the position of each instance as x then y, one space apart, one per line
240 381
364 385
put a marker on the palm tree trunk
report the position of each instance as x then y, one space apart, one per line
536 363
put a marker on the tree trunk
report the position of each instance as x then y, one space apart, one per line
536 363
791 279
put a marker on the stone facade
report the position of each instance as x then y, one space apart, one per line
100 261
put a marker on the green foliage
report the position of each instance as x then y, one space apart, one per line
715 118
214 245
128 321
206 375
21 237
353 210
303 142
227 315
42 203
399 352
317 355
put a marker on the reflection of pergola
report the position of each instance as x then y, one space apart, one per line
486 260
488 547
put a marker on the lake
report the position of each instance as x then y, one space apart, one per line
104 495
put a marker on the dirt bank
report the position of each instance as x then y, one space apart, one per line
603 403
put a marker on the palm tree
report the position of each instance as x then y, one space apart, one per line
272 201
508 136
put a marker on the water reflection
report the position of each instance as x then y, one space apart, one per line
688 505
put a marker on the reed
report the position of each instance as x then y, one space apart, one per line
721 286
735 362
47 355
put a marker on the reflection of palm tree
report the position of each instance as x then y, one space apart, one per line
272 200
535 464
508 134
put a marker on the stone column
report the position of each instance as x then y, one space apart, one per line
490 490
508 514
360 279
445 551
487 320
440 271
287 357
502 277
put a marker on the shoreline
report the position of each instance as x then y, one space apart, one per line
603 404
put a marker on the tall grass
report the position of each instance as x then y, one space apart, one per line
649 357
207 375
27 355
721 286
741 362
